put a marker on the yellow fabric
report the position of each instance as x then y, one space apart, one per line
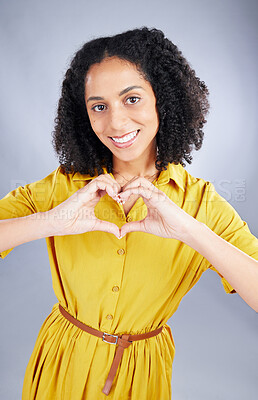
153 274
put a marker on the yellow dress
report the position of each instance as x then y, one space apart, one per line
132 285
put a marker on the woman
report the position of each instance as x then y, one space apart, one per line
129 230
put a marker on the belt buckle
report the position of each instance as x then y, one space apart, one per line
108 334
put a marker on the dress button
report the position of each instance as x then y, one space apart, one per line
120 252
109 316
115 288
129 219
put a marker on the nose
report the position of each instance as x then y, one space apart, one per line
118 119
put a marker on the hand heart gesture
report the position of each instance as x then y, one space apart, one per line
76 214
164 217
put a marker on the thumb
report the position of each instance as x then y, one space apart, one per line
109 227
134 226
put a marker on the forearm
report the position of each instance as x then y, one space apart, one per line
239 269
16 231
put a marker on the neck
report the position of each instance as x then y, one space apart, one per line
137 167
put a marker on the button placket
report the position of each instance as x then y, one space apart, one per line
114 293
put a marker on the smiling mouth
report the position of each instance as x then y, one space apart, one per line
126 138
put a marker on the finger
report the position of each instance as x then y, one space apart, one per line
107 178
136 181
113 181
156 200
95 188
151 195
106 226
134 226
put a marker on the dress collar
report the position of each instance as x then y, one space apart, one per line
176 172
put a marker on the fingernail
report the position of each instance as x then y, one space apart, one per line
116 197
120 201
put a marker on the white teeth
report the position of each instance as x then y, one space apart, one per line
126 138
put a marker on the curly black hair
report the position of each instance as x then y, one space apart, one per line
181 101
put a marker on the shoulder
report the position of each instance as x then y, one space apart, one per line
187 182
49 191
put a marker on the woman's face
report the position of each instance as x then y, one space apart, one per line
120 102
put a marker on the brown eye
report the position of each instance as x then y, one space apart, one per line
133 100
98 108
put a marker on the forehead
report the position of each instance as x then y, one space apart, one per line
113 73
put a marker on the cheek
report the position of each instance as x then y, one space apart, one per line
151 116
153 122
96 124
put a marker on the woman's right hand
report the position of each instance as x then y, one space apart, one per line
76 214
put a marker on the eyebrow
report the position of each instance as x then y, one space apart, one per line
126 90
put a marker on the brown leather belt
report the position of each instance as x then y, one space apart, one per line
123 341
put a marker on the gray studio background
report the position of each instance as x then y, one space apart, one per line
215 334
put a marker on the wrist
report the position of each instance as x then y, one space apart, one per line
58 221
195 232
44 224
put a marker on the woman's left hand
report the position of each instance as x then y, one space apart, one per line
164 217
